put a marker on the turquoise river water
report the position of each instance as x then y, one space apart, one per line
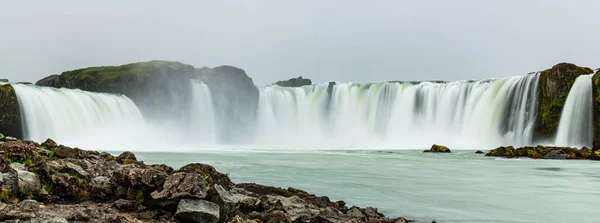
457 187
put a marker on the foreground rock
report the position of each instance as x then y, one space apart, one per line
56 183
437 149
546 152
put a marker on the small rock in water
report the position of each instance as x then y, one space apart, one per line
437 149
479 152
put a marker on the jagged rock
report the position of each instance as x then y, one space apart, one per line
29 206
438 149
214 176
181 185
101 187
10 181
295 208
197 211
49 144
229 202
126 156
69 187
355 213
163 168
68 152
323 201
74 168
273 216
332 215
504 151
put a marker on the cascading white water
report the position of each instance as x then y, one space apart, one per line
80 118
576 121
400 115
202 118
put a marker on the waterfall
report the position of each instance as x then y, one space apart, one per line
202 118
463 114
80 118
576 121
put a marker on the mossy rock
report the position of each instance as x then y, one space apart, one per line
437 149
596 107
553 89
10 112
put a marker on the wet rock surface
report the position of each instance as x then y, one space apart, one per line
438 149
49 182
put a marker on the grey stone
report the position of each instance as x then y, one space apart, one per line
197 211
29 206
182 185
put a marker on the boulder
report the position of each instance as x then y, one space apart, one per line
197 211
556 154
29 206
68 152
437 149
504 151
295 208
479 152
101 187
179 186
126 156
28 182
213 176
229 202
49 144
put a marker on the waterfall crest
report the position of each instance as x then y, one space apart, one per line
463 114
80 118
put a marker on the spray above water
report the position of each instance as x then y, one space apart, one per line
202 117
576 121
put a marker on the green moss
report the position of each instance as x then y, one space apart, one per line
48 186
4 195
139 196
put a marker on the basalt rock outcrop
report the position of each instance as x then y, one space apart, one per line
596 106
40 184
10 113
294 82
545 152
553 89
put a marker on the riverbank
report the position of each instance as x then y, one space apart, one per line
51 182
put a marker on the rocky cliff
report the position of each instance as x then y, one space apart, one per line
10 113
161 89
554 86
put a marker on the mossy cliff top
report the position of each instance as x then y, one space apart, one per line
553 89
10 113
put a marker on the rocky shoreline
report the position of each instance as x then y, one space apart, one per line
54 183
546 152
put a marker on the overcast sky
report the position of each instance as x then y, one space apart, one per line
341 40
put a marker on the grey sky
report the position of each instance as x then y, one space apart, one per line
360 41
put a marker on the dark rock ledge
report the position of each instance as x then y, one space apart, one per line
54 183
546 152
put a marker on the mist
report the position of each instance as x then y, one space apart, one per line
345 41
